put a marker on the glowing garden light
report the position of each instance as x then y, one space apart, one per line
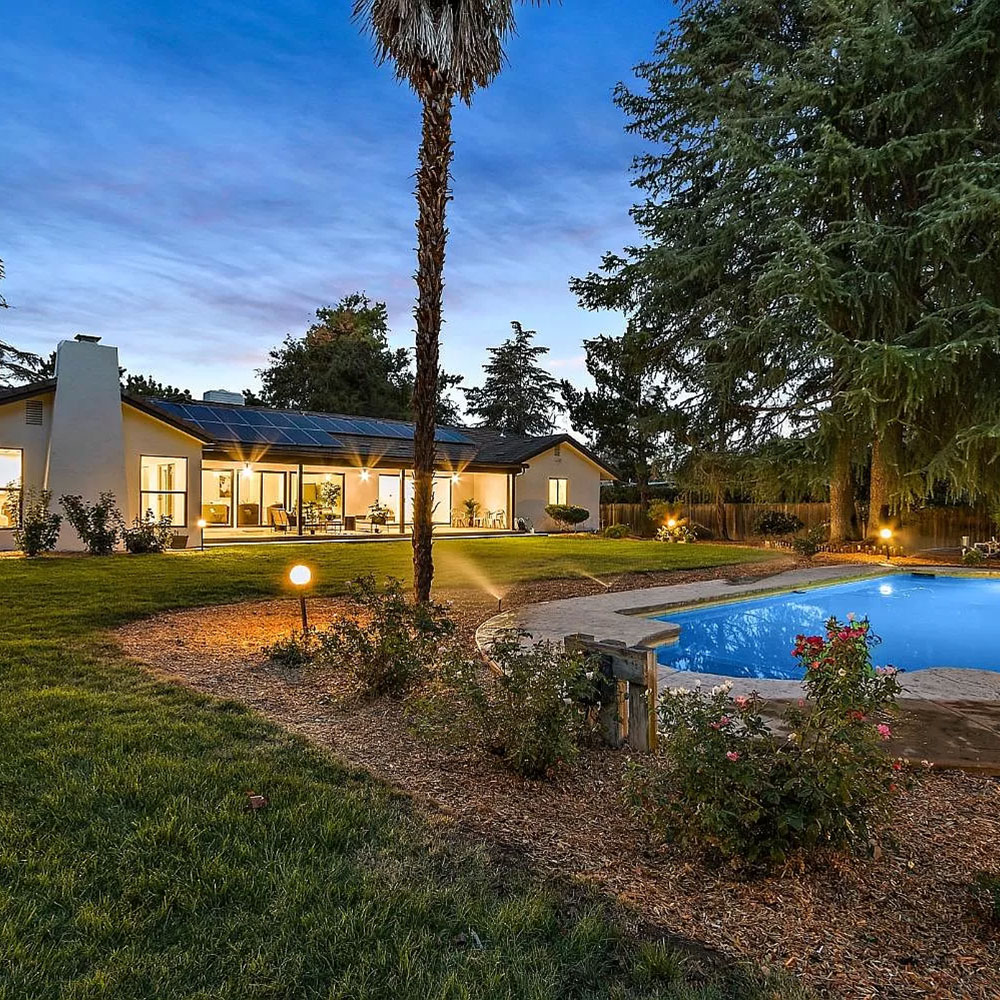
886 535
300 576
202 524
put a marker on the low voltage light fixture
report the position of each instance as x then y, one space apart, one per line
886 535
364 475
247 471
202 525
300 576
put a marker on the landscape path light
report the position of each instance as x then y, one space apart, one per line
300 577
886 535
202 524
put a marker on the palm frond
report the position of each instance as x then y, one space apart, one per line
454 46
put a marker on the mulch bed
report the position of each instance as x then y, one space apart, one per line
899 928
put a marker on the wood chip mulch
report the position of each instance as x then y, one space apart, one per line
899 928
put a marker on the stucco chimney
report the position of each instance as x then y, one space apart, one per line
86 446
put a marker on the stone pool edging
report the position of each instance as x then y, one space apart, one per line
625 616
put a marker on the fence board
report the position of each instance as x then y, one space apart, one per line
928 528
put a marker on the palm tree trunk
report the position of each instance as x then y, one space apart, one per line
432 234
841 492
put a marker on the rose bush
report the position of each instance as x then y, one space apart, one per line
725 784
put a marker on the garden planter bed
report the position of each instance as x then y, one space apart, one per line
898 928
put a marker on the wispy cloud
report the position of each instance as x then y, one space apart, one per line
191 180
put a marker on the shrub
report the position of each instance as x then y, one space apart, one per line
98 524
566 515
147 534
986 892
812 541
390 642
36 527
660 511
532 714
678 532
973 557
777 522
723 784
616 531
299 649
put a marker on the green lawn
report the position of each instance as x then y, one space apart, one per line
129 868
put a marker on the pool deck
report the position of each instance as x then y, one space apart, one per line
951 715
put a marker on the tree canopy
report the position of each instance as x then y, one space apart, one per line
517 395
17 366
627 415
821 253
146 385
344 364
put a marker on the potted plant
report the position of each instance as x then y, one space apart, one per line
379 515
472 509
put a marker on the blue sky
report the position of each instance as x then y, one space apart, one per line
191 180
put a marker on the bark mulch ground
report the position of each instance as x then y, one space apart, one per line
898 928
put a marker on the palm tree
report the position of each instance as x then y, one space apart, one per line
444 49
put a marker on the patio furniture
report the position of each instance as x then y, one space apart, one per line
278 518
215 513
248 515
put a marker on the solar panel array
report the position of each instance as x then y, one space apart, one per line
286 427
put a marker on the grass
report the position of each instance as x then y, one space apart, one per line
130 868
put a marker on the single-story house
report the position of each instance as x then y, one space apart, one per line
237 472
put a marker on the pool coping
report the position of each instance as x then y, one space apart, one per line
619 616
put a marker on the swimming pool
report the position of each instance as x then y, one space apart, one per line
923 621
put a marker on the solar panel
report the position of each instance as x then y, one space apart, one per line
304 430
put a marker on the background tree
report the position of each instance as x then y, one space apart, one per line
17 366
627 415
343 364
443 49
818 257
146 385
517 396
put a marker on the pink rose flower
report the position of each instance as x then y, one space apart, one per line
732 755
883 730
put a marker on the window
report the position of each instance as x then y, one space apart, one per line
10 487
559 491
163 488
217 497
440 499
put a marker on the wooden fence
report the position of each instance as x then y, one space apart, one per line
927 528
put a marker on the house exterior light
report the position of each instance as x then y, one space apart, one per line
364 475
456 478
247 471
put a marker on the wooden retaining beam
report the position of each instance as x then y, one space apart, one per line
628 691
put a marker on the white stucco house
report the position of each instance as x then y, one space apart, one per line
242 473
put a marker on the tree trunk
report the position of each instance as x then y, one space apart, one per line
720 513
841 492
432 234
885 452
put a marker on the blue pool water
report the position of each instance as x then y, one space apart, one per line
923 621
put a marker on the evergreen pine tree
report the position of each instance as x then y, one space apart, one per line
820 225
627 415
517 396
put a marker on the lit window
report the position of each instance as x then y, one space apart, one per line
10 487
559 491
163 488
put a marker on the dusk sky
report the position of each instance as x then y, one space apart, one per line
191 180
